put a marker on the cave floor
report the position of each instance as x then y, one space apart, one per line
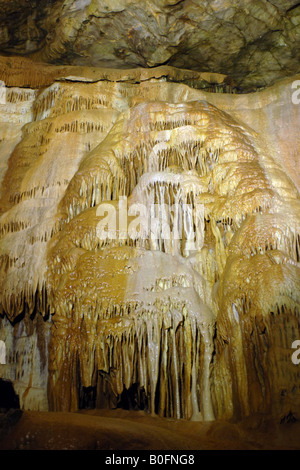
136 430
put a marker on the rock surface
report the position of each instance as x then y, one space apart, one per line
126 430
256 43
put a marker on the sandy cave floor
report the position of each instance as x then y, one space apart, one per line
136 430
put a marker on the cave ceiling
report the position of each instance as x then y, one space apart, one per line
256 42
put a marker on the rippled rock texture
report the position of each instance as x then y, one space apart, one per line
197 326
255 42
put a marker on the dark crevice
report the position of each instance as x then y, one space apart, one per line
288 418
8 397
293 7
87 398
133 398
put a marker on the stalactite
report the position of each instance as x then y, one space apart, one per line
192 313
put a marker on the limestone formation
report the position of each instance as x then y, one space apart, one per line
256 42
185 302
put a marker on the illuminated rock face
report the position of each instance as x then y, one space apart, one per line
193 315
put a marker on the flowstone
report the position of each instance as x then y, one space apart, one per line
185 302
